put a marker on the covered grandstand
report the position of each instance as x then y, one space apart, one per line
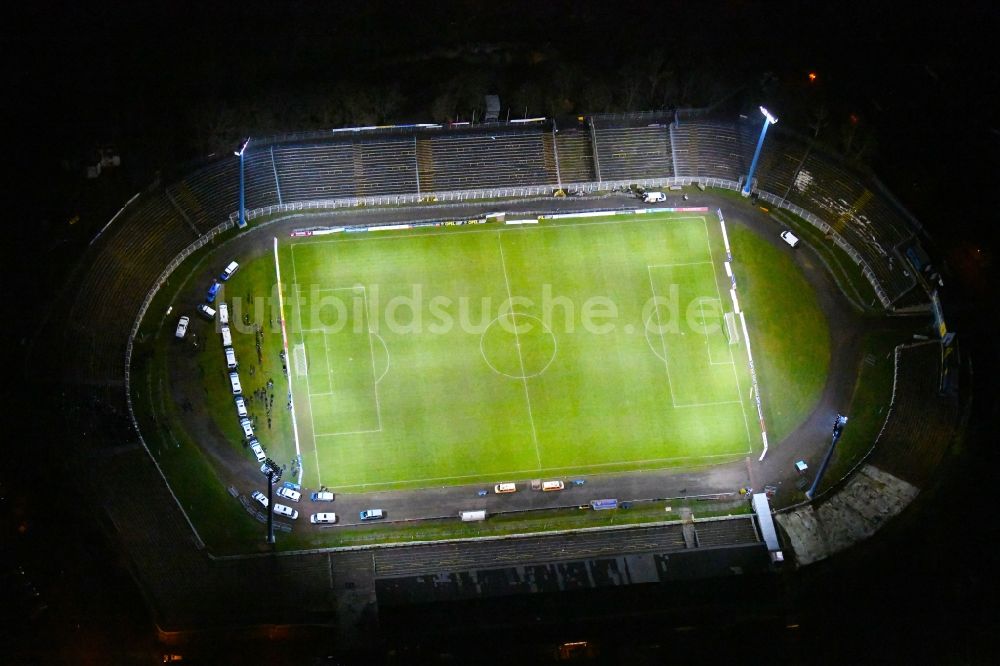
410 165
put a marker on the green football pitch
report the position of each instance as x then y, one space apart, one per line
477 354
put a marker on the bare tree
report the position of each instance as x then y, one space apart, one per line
529 97
443 106
629 84
386 102
847 134
358 107
818 120
597 96
654 71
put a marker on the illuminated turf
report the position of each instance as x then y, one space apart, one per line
410 368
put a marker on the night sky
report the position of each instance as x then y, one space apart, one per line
170 83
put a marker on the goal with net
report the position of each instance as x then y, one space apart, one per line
732 332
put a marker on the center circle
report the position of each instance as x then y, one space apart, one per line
518 345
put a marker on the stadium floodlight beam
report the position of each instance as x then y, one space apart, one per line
243 215
768 121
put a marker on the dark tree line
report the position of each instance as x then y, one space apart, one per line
449 85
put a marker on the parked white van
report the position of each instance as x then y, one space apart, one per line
223 314
501 488
230 358
227 337
241 406
247 428
789 238
206 312
552 485
283 510
654 197
323 518
234 381
257 449
260 497
288 493
229 270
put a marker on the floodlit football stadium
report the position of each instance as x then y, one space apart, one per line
475 332
377 350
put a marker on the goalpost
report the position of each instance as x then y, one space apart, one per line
299 354
732 332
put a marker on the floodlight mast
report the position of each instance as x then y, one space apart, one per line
768 121
270 506
239 153
838 429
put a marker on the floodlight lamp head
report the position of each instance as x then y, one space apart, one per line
767 114
239 153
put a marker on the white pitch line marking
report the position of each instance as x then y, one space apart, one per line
686 263
663 342
371 354
346 432
709 404
520 358
739 389
520 228
312 420
516 473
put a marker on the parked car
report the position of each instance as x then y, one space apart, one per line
234 381
321 496
212 291
789 238
323 518
228 271
372 514
260 497
654 197
182 327
241 407
288 493
223 314
283 510
257 449
247 426
206 312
